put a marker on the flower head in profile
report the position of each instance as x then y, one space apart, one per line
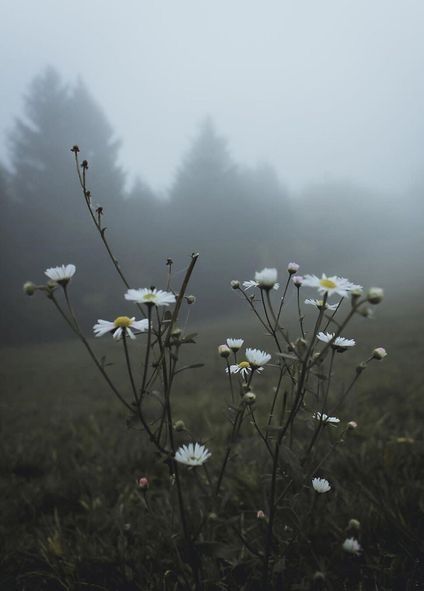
257 358
192 454
297 280
320 304
330 285
323 418
338 343
265 279
62 274
151 297
293 268
321 485
235 344
352 546
121 325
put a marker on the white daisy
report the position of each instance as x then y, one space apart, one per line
323 418
330 285
321 485
155 297
120 325
257 358
265 279
235 344
320 303
61 274
243 368
352 546
338 343
192 454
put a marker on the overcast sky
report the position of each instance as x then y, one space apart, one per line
321 89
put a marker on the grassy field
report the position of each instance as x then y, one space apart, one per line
72 516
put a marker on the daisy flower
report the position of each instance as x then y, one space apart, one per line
121 324
61 274
321 485
293 268
338 343
323 418
243 368
257 358
151 297
265 279
235 344
320 303
352 546
330 285
192 454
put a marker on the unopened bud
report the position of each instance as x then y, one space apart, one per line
379 353
260 515
293 268
191 299
29 288
319 576
297 280
179 425
224 351
75 149
249 398
212 516
352 425
84 164
360 368
235 284
357 292
354 524
375 295
176 331
143 483
366 312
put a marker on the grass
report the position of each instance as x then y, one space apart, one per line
73 518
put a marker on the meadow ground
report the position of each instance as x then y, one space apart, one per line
72 516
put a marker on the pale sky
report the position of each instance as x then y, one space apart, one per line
320 89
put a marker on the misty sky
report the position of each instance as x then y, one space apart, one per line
321 89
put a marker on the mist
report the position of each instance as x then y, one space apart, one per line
253 135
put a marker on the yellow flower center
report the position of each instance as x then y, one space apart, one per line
244 364
122 322
327 283
149 297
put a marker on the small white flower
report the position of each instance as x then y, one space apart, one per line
297 280
323 418
352 546
293 268
192 454
235 344
243 368
339 342
224 351
265 279
120 325
320 303
61 274
257 358
155 297
321 485
330 285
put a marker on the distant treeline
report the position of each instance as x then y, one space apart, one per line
238 218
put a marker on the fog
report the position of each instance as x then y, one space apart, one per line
257 133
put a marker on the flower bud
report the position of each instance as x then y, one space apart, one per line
235 284
249 398
260 515
354 524
293 268
352 425
29 288
379 353
319 576
297 280
191 299
143 483
212 516
179 425
224 351
360 368
176 331
375 295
